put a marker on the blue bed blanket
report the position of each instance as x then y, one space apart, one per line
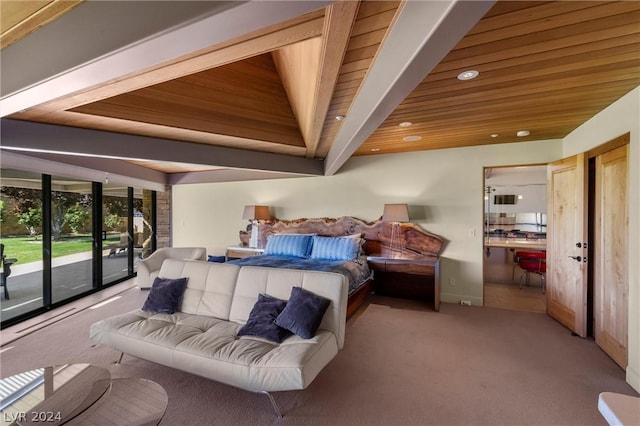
357 272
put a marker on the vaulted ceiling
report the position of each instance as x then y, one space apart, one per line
206 91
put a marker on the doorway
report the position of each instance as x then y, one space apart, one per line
515 202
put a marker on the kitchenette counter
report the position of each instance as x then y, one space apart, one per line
516 243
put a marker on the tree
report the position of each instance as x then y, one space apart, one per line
26 198
61 202
112 221
76 216
26 206
32 219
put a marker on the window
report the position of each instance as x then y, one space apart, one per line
21 237
65 238
115 233
71 238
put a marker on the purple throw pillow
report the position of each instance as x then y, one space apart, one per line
165 295
261 319
303 313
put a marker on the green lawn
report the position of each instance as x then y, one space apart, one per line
28 249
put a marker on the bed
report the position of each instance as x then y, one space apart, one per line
357 271
337 254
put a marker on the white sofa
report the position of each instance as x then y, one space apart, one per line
149 268
202 338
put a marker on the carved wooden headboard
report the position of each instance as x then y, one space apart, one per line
412 238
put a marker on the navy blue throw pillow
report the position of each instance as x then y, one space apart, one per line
165 295
261 319
303 313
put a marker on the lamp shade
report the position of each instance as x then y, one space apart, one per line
256 213
395 213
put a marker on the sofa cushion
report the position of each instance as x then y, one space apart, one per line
210 288
261 320
165 295
303 313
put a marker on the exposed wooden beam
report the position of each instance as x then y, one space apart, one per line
226 175
180 68
83 168
339 20
21 18
406 57
236 19
298 66
40 137
75 119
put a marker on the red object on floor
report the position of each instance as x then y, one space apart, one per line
532 262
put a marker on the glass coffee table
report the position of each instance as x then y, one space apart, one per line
77 394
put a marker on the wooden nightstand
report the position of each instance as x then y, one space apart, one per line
237 252
407 275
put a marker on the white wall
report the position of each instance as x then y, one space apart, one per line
531 198
621 117
528 182
444 190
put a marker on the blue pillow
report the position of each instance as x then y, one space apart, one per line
335 248
303 313
165 295
288 245
261 319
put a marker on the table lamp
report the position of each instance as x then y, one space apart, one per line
254 214
395 213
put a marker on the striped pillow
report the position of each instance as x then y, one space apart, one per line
288 245
335 248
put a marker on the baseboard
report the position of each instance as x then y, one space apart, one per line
633 378
457 298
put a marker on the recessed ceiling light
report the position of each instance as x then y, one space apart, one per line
411 138
375 149
339 117
468 75
495 135
522 133
405 124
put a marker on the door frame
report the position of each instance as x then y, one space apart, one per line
485 171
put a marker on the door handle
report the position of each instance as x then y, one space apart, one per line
576 258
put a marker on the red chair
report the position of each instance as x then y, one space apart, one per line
532 262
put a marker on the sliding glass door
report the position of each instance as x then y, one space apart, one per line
21 239
71 238
116 238
64 238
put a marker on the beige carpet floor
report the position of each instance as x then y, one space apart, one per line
402 364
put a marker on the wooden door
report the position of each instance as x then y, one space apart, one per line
566 243
611 285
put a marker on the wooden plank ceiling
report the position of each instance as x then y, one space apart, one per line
544 67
